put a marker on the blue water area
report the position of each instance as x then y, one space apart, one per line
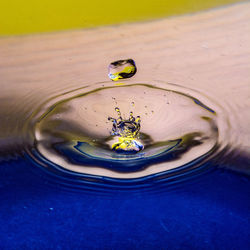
211 211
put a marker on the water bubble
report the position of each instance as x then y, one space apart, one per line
122 69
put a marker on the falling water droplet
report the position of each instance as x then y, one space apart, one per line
122 69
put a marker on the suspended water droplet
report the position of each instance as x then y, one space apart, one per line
122 69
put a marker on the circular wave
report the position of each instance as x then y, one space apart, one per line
181 130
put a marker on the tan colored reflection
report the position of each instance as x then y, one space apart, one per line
208 51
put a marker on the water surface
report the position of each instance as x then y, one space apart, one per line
61 186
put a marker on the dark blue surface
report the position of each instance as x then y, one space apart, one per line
209 212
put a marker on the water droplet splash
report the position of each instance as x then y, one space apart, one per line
122 69
127 132
71 133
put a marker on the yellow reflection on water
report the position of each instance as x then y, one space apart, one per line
21 17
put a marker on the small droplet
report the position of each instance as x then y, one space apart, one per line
131 117
122 69
118 111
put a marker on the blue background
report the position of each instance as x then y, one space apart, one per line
210 211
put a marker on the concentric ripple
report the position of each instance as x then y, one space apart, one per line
181 130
